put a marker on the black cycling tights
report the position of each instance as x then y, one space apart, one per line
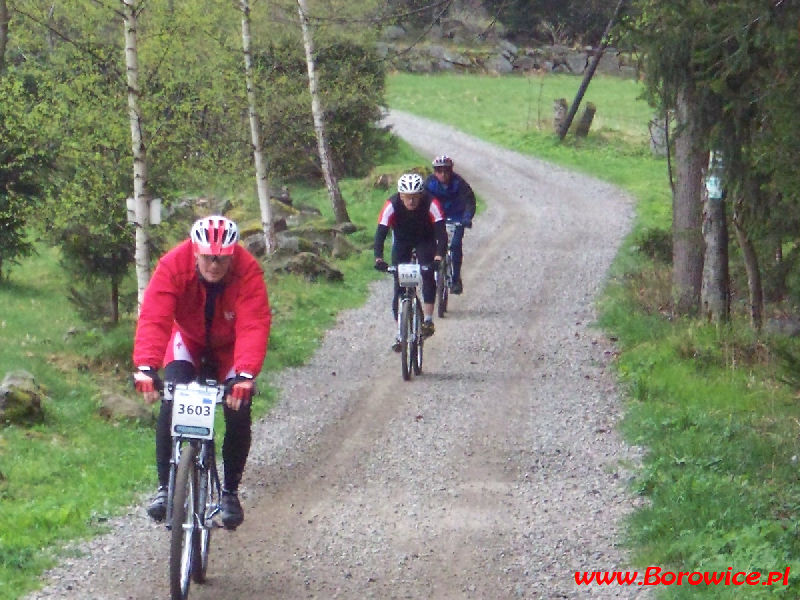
235 446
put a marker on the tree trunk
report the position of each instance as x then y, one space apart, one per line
715 293
687 240
4 18
114 301
339 207
587 77
141 199
751 267
262 183
560 109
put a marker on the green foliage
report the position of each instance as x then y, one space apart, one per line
352 86
554 21
742 66
24 156
655 244
193 113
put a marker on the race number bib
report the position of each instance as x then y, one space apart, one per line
193 411
409 275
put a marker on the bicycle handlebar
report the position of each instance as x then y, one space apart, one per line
393 268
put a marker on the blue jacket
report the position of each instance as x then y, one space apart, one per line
457 198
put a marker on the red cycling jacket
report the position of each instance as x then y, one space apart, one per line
174 302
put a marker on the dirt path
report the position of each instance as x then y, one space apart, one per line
495 475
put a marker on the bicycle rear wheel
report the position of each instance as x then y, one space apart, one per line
418 341
441 289
406 339
207 500
183 525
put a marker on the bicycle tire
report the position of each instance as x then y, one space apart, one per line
205 502
183 525
441 289
406 338
418 341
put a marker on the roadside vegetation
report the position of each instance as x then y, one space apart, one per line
715 407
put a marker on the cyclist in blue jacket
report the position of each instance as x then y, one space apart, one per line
458 202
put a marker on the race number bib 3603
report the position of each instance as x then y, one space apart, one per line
193 411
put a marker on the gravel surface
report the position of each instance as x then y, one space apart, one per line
496 474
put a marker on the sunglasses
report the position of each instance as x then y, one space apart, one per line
442 169
213 258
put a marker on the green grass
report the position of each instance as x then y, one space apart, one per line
720 475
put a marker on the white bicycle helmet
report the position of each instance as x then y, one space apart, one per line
410 183
214 235
442 161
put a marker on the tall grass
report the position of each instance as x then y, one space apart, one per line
720 474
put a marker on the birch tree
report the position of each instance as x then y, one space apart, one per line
141 199
262 183
335 194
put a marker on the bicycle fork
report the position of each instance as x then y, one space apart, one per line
173 466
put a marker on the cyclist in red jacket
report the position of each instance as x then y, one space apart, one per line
205 311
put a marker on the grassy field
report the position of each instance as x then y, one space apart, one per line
721 432
720 475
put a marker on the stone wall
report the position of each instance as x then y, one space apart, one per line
454 46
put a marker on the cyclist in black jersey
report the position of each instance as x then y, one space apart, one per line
417 221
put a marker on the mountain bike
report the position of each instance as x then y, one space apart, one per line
194 485
444 276
409 317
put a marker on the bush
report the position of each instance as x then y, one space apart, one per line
656 244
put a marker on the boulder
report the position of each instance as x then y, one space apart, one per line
312 267
499 65
343 248
117 407
21 400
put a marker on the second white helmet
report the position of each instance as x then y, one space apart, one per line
410 183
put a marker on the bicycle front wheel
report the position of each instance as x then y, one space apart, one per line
418 341
183 525
206 501
406 339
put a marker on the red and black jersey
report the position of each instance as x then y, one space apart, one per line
424 224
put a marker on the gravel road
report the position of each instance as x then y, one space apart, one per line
496 474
